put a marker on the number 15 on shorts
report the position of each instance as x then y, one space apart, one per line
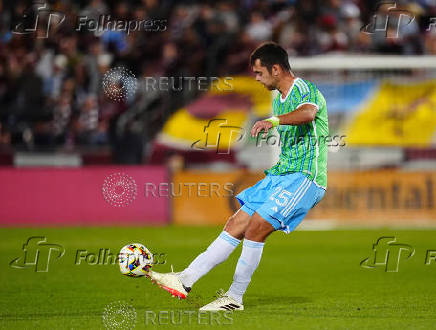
281 197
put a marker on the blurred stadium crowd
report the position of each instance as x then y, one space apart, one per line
50 88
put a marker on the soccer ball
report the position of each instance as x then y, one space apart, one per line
135 260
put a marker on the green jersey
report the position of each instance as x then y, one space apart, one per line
303 147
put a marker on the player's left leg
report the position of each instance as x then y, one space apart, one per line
255 235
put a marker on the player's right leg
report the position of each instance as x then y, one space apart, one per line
254 239
179 284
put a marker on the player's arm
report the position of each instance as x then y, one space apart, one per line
305 113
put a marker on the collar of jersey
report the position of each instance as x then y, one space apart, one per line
289 91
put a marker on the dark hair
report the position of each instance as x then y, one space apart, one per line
270 53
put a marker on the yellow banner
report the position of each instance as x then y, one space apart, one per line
403 115
224 129
383 196
367 197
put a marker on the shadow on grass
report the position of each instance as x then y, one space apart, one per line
275 300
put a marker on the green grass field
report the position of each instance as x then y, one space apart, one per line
306 280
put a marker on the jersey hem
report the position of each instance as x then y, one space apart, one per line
281 174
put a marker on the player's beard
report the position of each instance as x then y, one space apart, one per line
270 87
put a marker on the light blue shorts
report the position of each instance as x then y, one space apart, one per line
282 200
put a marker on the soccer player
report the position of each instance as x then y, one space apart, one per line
289 190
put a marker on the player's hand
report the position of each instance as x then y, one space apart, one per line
259 126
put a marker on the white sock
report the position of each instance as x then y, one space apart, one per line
247 264
217 252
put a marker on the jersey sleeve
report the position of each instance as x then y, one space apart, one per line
307 93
